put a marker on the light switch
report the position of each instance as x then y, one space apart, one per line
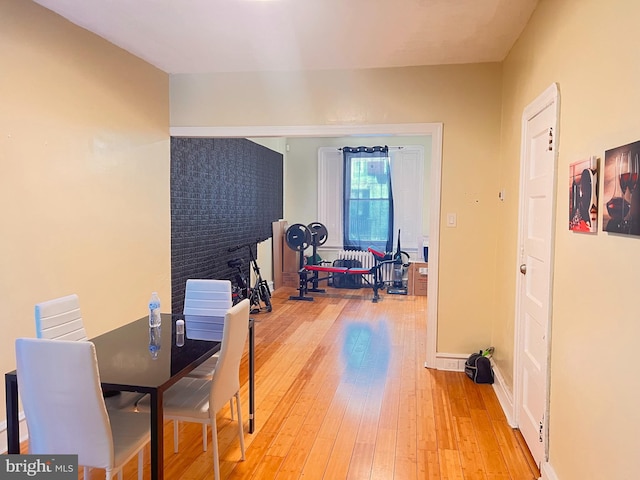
452 220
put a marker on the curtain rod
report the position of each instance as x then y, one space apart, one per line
390 148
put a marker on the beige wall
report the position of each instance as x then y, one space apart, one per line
84 188
466 98
590 48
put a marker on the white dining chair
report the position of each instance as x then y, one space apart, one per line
65 410
198 399
206 297
211 298
60 319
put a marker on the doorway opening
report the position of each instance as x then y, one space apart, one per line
427 129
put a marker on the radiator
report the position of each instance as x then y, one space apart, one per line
367 260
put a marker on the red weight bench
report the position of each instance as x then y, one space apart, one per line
376 284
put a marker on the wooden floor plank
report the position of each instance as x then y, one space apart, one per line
494 464
470 454
443 417
516 460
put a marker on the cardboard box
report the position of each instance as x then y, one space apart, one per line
285 260
418 280
290 279
276 253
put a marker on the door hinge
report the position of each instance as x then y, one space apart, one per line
550 139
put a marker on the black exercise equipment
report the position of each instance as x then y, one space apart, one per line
397 287
240 289
320 232
260 293
298 238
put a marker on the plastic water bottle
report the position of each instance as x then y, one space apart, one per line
154 310
155 342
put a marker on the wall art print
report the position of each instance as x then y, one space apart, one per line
621 190
583 196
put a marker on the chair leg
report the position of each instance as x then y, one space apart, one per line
231 407
214 443
240 426
204 437
120 473
175 436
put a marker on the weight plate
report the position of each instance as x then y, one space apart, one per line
319 233
298 237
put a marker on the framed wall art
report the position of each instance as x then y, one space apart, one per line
621 190
583 196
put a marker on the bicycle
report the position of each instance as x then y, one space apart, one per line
260 293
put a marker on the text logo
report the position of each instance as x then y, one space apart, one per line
51 467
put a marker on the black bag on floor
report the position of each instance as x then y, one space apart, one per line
478 368
347 281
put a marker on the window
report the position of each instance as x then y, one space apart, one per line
368 200
410 215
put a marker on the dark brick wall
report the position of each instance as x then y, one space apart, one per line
224 193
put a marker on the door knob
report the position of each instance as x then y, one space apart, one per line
523 269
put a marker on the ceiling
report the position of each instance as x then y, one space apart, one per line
200 36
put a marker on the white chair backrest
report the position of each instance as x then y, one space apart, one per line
60 319
62 400
226 376
207 297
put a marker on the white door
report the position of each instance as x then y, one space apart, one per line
537 204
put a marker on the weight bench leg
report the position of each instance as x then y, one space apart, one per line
302 288
300 297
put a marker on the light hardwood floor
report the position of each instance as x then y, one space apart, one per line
342 393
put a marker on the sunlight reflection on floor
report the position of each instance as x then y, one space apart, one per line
366 351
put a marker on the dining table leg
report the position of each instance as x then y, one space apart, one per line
157 435
13 423
251 378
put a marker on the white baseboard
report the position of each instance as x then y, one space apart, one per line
504 395
24 435
453 362
548 473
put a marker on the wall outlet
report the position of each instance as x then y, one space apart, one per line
451 364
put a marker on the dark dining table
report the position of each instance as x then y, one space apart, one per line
137 358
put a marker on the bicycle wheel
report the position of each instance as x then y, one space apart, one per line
265 295
254 301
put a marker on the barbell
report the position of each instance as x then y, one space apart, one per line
298 237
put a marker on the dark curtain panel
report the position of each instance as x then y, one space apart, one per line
368 200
